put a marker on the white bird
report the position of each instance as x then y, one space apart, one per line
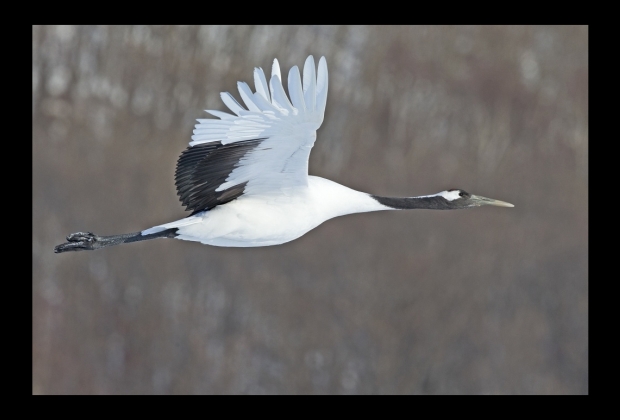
245 176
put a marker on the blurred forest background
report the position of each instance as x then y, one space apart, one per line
483 301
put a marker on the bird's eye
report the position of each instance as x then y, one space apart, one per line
461 194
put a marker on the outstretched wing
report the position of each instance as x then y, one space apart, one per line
258 150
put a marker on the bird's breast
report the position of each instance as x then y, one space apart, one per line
255 221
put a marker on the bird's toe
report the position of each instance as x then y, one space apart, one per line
81 237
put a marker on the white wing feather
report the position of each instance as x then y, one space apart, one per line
295 90
309 84
261 83
288 127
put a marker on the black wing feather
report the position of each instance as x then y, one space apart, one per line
201 169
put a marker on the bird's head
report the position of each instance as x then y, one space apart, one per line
460 199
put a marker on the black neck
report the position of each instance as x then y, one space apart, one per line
408 203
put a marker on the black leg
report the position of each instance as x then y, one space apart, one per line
88 241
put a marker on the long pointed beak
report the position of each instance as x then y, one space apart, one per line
482 201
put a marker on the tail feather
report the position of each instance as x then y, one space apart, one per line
196 218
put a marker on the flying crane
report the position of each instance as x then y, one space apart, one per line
244 176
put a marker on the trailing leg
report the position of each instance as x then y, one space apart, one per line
88 241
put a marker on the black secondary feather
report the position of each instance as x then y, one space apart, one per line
201 169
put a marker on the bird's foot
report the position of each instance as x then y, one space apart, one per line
79 241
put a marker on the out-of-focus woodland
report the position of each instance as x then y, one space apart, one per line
482 301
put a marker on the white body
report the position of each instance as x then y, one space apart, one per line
280 202
272 219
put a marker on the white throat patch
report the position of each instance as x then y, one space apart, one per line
450 195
